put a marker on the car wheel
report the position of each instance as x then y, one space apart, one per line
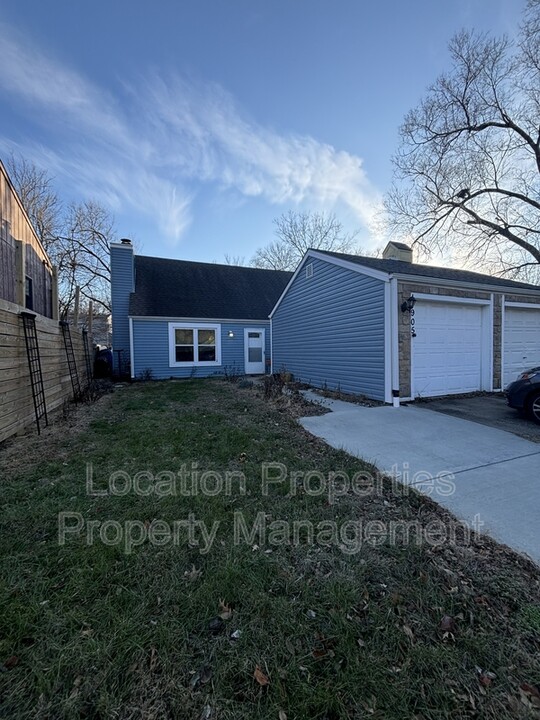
534 407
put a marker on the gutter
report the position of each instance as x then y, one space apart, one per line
479 287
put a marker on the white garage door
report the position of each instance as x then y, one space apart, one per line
447 349
521 341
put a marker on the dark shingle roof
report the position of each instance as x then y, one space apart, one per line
400 246
178 288
401 267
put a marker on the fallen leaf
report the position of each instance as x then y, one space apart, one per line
484 680
193 574
408 632
448 624
530 695
75 689
206 713
225 612
201 677
260 677
282 715
11 662
322 652
216 625
311 614
236 634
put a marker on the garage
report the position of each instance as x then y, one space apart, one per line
451 349
521 340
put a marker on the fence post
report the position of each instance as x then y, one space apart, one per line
76 309
90 318
54 289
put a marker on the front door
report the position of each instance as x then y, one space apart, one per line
254 355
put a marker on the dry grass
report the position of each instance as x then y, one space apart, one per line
392 631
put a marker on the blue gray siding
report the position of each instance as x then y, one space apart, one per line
151 348
122 279
329 330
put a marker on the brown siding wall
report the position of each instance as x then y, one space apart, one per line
16 404
7 263
15 227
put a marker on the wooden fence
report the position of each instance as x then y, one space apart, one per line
16 403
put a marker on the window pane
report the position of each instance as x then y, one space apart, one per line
183 337
207 337
184 353
207 353
254 335
255 355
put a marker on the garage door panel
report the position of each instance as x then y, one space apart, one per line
447 349
521 349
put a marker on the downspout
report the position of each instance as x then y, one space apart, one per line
394 325
271 347
131 354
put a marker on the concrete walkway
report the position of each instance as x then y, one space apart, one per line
472 470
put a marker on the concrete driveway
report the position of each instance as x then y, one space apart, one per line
475 471
489 410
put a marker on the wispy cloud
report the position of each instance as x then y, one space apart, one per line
151 146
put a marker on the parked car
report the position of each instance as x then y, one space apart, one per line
524 393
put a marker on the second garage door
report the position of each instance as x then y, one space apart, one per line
521 341
447 350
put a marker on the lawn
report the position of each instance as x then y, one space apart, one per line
129 596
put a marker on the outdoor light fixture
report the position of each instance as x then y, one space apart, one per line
408 305
231 334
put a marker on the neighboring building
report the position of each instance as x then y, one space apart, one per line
26 273
343 321
99 327
173 318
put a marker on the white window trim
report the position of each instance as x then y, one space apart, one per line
194 326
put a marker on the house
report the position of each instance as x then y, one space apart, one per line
174 318
27 277
389 328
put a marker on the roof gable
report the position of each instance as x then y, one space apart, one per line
179 288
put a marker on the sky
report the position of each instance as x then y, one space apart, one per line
198 122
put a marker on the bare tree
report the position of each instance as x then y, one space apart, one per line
38 196
299 231
468 170
76 237
238 260
84 255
